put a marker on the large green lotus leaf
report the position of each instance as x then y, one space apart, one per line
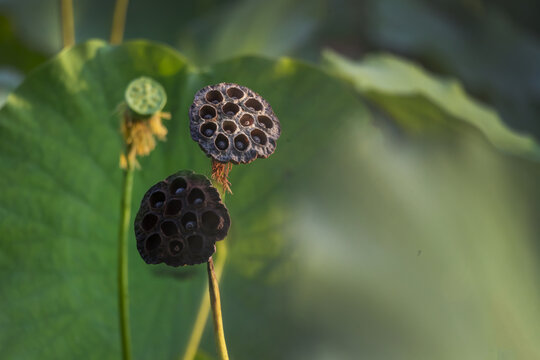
60 146
343 244
422 102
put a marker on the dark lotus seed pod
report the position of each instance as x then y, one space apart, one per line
179 221
232 123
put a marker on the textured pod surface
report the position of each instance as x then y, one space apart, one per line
179 221
145 96
232 123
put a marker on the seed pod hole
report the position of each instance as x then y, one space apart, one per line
196 197
173 207
178 186
152 242
195 243
235 93
229 127
254 104
175 247
265 121
222 143
230 109
157 199
246 120
189 221
210 221
208 129
207 112
241 142
258 137
149 221
169 228
214 97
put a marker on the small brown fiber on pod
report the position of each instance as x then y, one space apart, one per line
233 125
179 221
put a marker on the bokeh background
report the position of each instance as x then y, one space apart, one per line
411 235
491 46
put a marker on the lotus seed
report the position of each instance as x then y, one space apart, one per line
230 113
221 145
191 225
208 116
198 201
257 139
208 132
158 204
240 145
179 190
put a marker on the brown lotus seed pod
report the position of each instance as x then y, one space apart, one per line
179 220
233 124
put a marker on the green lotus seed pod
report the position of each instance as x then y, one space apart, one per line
145 96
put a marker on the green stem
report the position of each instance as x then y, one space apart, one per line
68 27
215 301
119 21
204 308
123 291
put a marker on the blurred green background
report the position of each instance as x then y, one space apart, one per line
398 218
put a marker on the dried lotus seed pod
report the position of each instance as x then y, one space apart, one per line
179 221
233 124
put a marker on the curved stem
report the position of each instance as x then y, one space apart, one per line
215 301
119 21
123 291
204 307
68 27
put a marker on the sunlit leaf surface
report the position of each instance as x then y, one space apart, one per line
344 243
423 102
